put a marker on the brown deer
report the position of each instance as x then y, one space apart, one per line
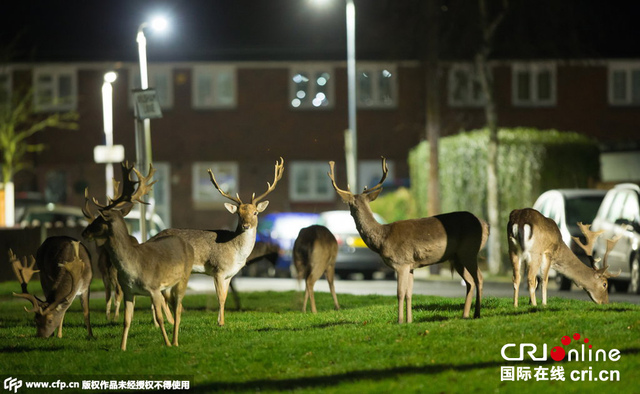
536 240
314 253
269 251
65 271
409 244
222 253
150 268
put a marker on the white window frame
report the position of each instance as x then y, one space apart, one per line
205 195
535 69
312 70
154 71
215 72
373 72
57 103
629 69
469 100
315 172
370 172
6 87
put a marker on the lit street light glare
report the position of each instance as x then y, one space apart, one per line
159 23
110 77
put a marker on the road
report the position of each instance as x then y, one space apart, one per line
440 286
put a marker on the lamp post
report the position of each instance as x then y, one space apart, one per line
143 126
107 114
351 134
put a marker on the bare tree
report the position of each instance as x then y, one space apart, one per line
489 22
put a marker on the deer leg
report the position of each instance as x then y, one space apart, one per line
403 284
479 285
310 282
166 298
532 272
177 295
84 300
408 297
128 315
158 300
306 297
330 273
60 326
108 295
221 290
515 262
118 300
469 282
545 276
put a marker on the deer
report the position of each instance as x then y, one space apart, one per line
65 272
536 240
150 268
222 253
405 245
314 253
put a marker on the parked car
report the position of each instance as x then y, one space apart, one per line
283 229
567 207
353 254
619 215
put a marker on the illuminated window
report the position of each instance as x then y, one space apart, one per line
205 195
464 89
311 87
624 83
309 182
376 86
55 89
213 87
534 84
160 79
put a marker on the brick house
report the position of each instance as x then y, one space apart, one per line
239 117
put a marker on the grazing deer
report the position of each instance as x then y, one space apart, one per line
536 240
314 253
65 271
409 244
221 253
150 268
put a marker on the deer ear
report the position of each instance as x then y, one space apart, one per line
126 208
231 207
374 194
262 206
345 196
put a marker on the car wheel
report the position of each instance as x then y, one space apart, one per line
634 286
565 283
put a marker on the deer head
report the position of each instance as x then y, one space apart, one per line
600 293
99 227
48 315
356 201
248 212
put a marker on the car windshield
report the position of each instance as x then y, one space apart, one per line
582 209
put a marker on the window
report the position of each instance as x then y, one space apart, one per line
534 84
5 89
376 86
205 195
311 87
213 87
624 83
160 78
309 182
55 89
370 172
464 89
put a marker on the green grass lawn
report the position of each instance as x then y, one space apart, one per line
272 346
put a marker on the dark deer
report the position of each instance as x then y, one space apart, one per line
221 253
158 265
409 244
314 253
536 240
65 271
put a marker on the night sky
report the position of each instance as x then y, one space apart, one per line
72 30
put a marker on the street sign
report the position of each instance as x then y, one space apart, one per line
108 154
146 104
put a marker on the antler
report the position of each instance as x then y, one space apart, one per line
605 266
237 199
75 268
132 191
331 174
23 271
590 236
278 171
385 171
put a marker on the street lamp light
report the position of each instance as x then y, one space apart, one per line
143 126
351 134
107 113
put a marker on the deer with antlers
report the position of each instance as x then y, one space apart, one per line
65 271
222 253
536 240
409 244
150 268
